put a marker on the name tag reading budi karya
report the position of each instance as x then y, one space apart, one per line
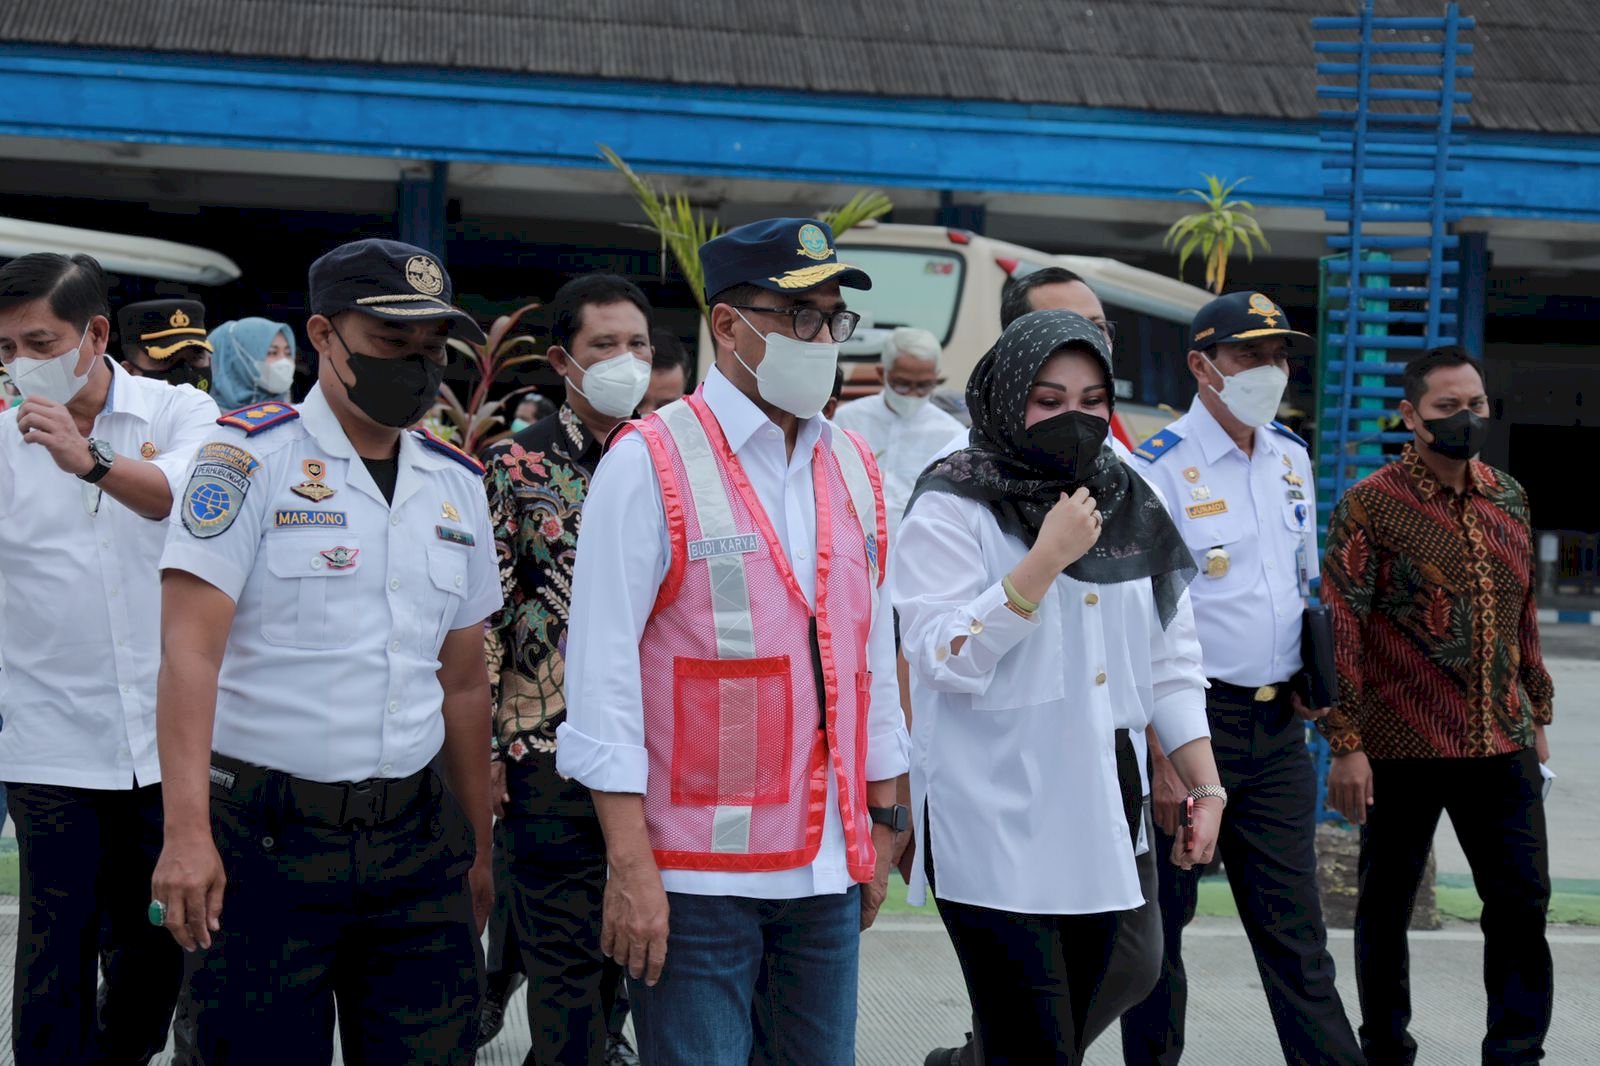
739 545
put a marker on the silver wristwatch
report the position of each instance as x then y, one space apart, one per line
100 451
1200 792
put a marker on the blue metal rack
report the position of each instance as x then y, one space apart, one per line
1390 289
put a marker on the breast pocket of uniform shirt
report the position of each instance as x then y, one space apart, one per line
447 575
1214 541
310 579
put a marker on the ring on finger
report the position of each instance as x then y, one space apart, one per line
157 912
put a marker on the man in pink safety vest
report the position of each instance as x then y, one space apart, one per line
731 693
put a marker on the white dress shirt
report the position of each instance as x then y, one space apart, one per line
1014 750
904 445
1250 616
331 671
80 607
623 556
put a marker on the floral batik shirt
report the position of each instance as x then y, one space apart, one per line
536 484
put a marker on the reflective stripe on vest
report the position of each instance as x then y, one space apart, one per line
864 495
730 595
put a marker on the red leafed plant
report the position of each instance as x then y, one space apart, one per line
479 422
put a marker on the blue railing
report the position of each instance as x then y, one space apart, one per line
1388 165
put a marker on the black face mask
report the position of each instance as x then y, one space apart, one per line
392 392
1461 436
184 374
1066 445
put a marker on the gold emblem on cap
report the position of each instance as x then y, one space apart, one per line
1217 563
1261 304
178 319
806 277
813 242
424 275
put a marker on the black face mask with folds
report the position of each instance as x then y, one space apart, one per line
1067 445
392 392
1461 436
183 374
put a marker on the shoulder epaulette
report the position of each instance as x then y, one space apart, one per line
445 448
1291 434
260 416
1157 446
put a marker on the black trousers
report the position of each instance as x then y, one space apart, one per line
503 960
86 860
557 866
1268 845
375 919
1498 815
1137 946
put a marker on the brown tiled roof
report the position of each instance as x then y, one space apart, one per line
1536 59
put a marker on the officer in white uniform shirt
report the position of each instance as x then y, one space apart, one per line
90 463
1238 485
325 587
904 430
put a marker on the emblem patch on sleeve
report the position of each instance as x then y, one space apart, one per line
211 501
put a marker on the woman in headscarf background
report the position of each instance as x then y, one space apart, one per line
252 362
1043 602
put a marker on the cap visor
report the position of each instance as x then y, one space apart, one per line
461 324
807 278
1296 339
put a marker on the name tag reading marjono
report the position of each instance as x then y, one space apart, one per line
740 545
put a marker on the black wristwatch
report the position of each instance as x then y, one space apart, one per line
897 817
103 456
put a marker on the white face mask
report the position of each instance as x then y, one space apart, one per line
902 404
51 379
276 376
1253 395
795 376
615 386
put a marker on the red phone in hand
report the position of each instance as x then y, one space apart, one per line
1188 823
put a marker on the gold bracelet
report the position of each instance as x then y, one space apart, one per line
1017 599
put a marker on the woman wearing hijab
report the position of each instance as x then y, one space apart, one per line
1043 609
252 362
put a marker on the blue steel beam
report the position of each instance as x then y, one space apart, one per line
460 117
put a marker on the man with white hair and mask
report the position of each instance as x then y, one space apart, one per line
905 431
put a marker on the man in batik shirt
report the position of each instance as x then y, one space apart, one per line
555 860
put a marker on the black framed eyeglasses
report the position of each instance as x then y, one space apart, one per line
1109 328
808 321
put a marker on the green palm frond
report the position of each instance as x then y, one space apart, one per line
679 227
859 208
1215 230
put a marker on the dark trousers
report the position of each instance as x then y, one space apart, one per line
503 960
1498 815
557 877
86 860
1137 943
1031 979
1268 845
377 919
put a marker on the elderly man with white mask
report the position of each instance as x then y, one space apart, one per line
906 432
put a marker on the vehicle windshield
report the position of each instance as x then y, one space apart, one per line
910 287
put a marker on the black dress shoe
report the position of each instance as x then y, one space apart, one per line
492 1015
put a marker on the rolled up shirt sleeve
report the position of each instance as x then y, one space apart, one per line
622 559
1177 680
940 587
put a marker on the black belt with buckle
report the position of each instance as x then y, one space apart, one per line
355 804
1241 694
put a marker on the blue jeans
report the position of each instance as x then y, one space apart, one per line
753 981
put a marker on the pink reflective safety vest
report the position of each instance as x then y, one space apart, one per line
751 698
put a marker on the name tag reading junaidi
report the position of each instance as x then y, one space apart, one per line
740 545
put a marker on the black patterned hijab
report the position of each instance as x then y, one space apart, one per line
1137 539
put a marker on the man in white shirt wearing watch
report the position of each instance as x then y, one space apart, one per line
88 465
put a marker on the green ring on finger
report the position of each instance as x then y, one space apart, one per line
157 912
